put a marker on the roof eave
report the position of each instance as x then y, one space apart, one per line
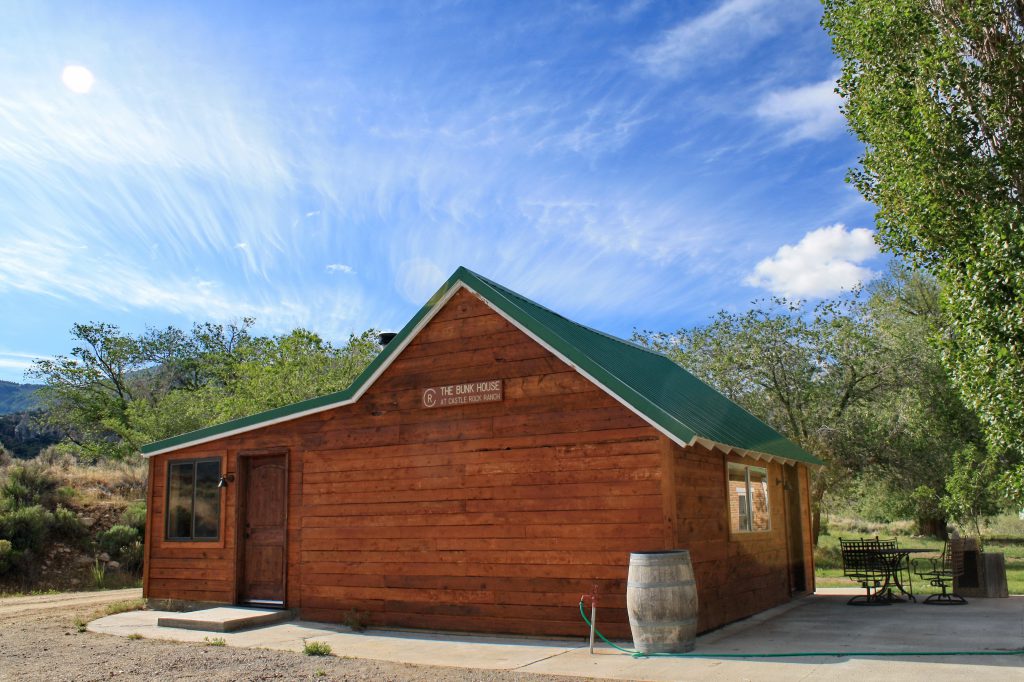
755 455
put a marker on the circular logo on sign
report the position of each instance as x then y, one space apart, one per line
429 397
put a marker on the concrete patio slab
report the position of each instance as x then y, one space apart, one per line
224 619
819 624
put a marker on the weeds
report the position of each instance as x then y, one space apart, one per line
354 620
125 606
99 574
80 623
135 635
317 649
214 641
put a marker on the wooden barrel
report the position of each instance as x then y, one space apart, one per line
661 599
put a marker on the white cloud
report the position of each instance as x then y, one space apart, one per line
825 262
728 30
340 267
809 112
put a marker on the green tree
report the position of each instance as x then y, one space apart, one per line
935 90
910 432
87 394
971 495
803 370
858 382
116 392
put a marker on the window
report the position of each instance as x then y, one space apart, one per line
193 500
748 499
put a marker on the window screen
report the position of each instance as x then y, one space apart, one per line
193 500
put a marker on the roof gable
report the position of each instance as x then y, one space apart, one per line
648 383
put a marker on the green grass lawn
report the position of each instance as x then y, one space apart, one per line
829 564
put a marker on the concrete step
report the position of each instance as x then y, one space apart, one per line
223 619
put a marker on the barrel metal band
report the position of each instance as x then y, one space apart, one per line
666 623
644 586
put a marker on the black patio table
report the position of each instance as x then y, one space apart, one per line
891 558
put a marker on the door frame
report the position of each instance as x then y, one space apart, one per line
242 461
791 497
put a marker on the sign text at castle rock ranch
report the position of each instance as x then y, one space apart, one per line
463 394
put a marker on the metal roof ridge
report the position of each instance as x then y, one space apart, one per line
625 342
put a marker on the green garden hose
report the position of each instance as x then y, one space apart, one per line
834 654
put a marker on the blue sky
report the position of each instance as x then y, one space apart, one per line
629 164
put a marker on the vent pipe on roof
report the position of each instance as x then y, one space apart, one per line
386 337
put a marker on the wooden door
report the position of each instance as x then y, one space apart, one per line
794 529
264 511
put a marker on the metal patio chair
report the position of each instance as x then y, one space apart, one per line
899 567
940 572
862 564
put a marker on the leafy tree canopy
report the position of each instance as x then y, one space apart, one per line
116 392
935 90
858 381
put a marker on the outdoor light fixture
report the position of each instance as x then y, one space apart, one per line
224 480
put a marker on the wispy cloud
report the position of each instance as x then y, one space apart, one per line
824 262
808 112
214 171
340 267
725 32
17 361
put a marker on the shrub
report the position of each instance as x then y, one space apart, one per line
131 557
66 525
355 620
134 516
65 494
6 555
28 486
61 455
26 528
317 649
113 541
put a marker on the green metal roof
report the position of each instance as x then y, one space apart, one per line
659 390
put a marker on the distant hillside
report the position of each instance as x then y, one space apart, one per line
17 397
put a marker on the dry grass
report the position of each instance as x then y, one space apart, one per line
124 606
104 483
100 484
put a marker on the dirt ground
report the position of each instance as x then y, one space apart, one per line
39 641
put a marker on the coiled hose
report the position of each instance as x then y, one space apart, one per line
802 654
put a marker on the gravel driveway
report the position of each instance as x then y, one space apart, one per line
39 641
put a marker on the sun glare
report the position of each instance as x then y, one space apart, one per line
78 79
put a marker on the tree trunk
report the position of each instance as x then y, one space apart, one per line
932 527
816 523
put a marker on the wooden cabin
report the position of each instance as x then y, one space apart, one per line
492 464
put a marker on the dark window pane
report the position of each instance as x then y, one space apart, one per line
179 501
207 509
